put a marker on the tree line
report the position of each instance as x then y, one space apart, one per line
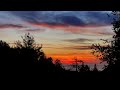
28 55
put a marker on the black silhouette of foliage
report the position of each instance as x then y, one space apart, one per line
80 67
3 45
84 68
76 64
58 66
27 50
110 53
4 53
95 68
26 55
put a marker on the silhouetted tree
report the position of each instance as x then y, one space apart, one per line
80 67
84 68
110 52
58 66
46 65
28 52
4 45
95 68
76 64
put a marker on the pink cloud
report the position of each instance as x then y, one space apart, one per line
2 26
88 29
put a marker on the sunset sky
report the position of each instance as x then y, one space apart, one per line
63 34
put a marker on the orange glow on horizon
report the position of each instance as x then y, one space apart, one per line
69 59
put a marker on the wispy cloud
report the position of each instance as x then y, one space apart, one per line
93 30
35 30
75 18
78 47
76 22
11 26
88 29
78 40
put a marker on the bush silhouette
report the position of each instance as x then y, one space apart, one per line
4 53
95 68
110 53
